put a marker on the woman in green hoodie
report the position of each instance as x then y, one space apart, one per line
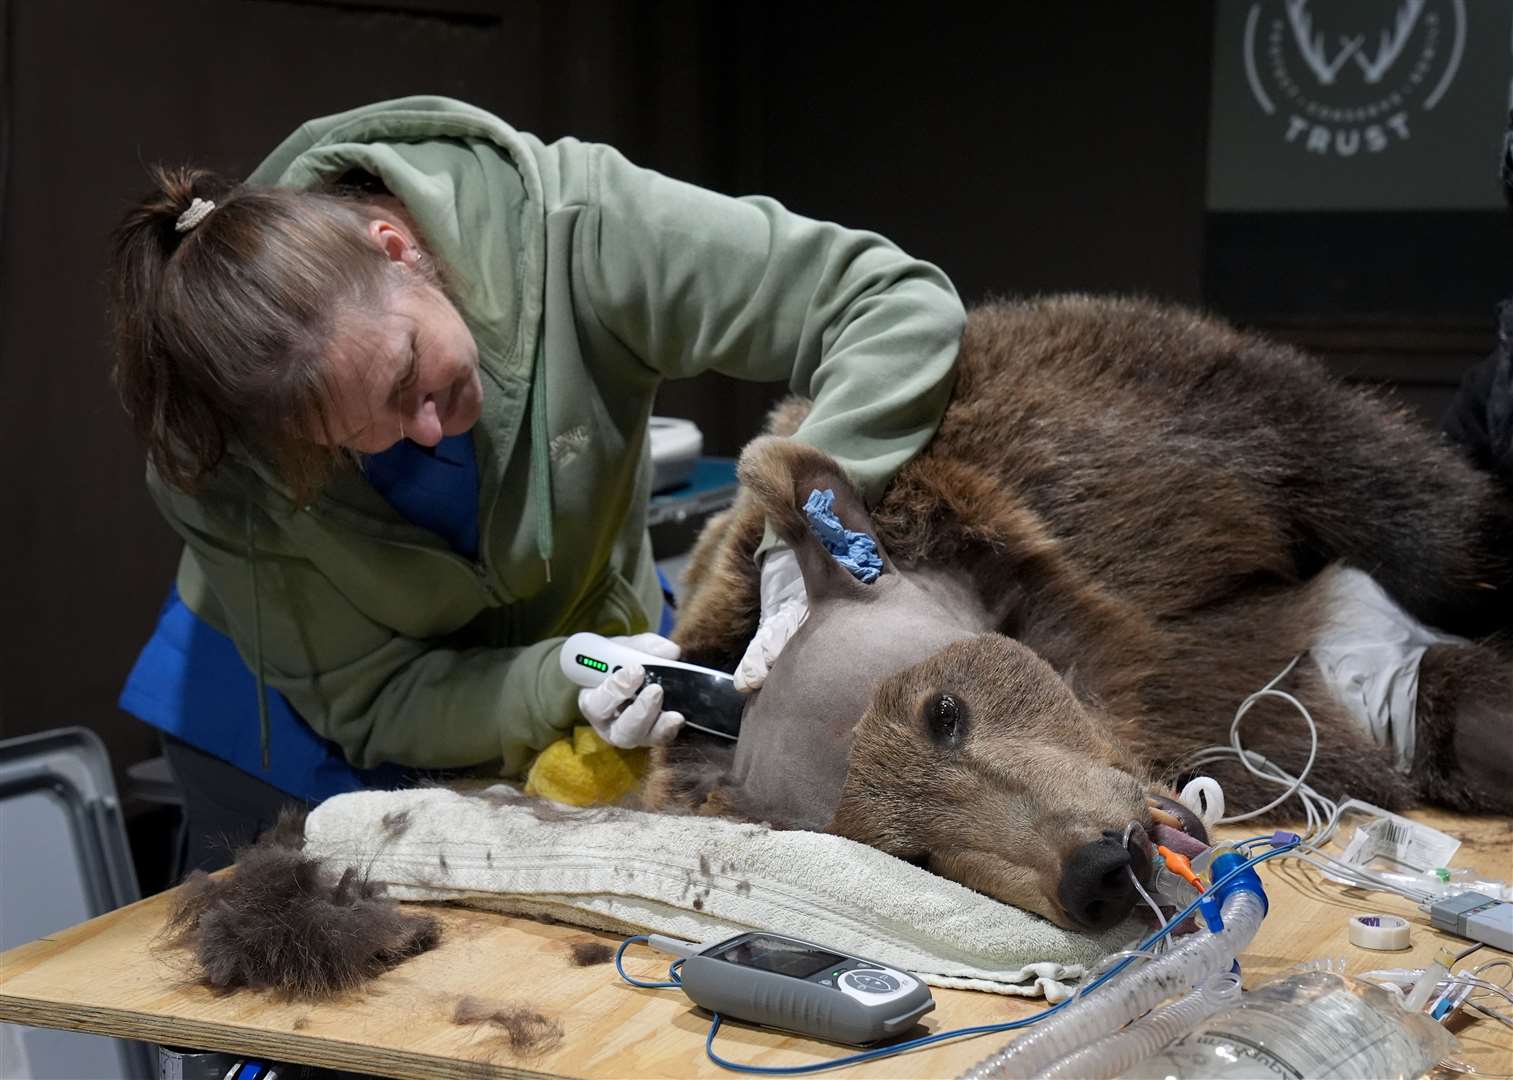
395 391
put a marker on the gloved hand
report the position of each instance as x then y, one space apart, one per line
622 713
785 606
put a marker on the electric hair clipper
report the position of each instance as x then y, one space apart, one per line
707 698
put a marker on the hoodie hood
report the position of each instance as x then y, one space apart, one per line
459 171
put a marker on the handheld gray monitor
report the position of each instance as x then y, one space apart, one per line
783 982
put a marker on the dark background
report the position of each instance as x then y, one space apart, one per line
1032 148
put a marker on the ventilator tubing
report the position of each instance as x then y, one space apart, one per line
1111 1055
1107 1009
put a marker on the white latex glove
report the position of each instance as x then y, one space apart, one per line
785 606
621 712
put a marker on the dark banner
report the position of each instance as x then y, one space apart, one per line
1359 104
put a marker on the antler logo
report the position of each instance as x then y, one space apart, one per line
1349 77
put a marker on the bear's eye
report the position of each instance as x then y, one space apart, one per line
947 719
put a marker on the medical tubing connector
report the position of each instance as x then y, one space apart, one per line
1113 1054
1110 1007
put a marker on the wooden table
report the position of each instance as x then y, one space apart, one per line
109 976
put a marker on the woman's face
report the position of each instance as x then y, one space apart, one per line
407 370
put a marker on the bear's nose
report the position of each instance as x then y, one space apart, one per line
1097 889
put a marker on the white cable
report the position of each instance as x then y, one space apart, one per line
1234 742
1477 987
1160 918
1130 870
1490 1013
1461 990
1485 987
1321 814
1501 962
1324 861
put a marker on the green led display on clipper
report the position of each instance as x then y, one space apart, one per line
590 662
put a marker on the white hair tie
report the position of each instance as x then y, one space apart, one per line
197 212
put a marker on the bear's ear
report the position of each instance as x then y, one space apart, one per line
781 474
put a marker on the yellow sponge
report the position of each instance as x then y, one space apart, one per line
583 769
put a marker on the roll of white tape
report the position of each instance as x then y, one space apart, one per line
1385 933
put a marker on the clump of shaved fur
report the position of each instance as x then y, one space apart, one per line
289 830
525 1030
282 921
395 824
589 953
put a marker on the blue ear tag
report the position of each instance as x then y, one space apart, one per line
857 552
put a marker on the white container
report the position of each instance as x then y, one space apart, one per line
675 449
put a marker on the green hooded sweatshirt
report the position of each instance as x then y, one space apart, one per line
585 281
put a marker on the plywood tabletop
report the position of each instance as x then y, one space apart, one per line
113 976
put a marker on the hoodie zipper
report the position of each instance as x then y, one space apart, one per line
481 569
478 567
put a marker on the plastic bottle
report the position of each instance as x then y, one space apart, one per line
1306 1023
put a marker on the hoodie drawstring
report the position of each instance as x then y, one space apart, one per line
541 460
257 641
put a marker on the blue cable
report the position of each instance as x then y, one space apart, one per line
672 971
959 1033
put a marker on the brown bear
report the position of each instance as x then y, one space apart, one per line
1131 517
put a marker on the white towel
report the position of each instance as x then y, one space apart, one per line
697 878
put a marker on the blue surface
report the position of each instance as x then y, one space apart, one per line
709 474
190 682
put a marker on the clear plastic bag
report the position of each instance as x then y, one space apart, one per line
1307 1023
